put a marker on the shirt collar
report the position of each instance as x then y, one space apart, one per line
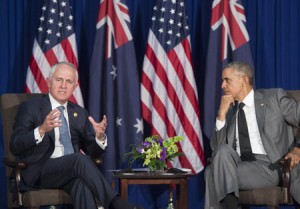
249 99
55 103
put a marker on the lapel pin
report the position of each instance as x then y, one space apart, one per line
262 104
75 114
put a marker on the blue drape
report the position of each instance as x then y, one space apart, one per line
273 26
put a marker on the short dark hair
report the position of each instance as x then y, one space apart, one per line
243 68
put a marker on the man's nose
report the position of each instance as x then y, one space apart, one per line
223 85
64 84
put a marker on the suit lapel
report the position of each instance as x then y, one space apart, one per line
231 129
260 109
73 125
72 115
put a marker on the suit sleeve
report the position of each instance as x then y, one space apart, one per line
22 139
84 135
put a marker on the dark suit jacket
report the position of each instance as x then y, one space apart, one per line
276 115
31 114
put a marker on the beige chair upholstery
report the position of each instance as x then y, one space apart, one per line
272 197
29 199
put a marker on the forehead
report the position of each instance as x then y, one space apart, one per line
229 73
65 71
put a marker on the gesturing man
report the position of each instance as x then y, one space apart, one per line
50 131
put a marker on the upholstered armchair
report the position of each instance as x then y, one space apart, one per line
17 194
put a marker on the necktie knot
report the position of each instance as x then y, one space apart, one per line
241 105
61 108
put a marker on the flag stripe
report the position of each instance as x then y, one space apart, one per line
55 42
149 111
181 69
169 78
168 89
34 69
157 124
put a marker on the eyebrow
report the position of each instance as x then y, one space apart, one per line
226 79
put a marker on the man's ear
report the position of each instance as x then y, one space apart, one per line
246 79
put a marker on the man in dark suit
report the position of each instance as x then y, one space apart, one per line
270 115
53 163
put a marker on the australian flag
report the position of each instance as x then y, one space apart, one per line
228 41
114 83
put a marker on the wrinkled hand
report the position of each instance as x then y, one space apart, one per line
51 121
99 128
294 155
226 100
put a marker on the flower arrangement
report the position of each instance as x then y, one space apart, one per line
154 151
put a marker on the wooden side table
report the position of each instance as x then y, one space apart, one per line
181 181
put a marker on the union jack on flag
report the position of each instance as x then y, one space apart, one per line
55 42
228 24
115 17
168 90
114 82
229 15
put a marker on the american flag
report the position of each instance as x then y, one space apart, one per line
229 41
168 90
54 42
114 83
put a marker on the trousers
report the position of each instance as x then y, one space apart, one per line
228 174
80 177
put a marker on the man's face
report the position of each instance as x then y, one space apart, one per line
62 83
232 82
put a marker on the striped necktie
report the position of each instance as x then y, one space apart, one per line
64 133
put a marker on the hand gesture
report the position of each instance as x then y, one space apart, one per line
99 128
51 121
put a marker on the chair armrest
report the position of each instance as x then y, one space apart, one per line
286 171
286 177
13 164
16 178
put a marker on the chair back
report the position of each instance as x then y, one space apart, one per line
9 105
273 196
296 95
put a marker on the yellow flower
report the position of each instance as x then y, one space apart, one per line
154 151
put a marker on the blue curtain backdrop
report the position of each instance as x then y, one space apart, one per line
273 26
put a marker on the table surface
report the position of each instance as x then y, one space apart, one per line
150 175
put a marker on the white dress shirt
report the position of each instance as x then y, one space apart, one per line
254 135
59 148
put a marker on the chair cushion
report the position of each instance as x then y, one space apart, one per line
265 196
46 197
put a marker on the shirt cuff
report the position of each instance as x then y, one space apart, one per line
219 124
38 138
102 144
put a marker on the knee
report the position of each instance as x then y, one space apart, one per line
224 152
82 159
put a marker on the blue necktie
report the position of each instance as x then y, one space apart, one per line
64 133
